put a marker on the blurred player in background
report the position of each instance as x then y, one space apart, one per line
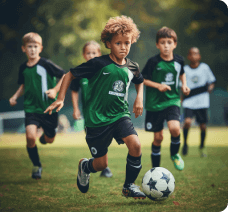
90 50
200 80
107 115
162 73
37 79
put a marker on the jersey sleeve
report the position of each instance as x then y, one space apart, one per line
210 75
75 85
182 66
54 69
86 70
148 69
134 68
20 75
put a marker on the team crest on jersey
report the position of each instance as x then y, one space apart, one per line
195 79
118 87
168 79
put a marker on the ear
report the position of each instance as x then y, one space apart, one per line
157 45
41 48
175 45
108 44
23 48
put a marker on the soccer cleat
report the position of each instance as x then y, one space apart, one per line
178 162
42 140
133 191
185 150
106 173
83 178
202 152
36 172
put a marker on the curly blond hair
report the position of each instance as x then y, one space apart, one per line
120 24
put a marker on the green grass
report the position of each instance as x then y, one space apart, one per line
201 186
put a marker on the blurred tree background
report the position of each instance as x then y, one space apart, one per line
65 26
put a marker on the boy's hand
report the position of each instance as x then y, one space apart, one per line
12 101
164 87
77 114
51 93
56 104
185 89
138 108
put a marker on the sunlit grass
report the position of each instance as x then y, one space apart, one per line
201 186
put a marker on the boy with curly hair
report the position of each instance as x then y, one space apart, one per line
162 73
37 80
107 115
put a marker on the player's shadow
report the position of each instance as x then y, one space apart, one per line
140 202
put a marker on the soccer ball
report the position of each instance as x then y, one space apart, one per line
158 183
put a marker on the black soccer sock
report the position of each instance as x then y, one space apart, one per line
185 132
203 135
133 168
88 166
34 156
175 145
155 156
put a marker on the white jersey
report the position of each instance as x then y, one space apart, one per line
198 80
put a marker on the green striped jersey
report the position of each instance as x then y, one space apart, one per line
163 72
37 80
107 91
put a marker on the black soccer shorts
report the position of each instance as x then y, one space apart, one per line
48 122
155 120
99 138
200 114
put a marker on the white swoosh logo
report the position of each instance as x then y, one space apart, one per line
106 73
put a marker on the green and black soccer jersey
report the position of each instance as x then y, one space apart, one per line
37 80
163 72
78 83
107 91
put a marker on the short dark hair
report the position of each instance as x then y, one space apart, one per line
166 32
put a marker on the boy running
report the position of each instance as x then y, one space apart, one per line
107 115
200 80
162 73
37 79
90 50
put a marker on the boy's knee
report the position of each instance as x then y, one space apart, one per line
31 140
175 131
49 140
158 139
187 123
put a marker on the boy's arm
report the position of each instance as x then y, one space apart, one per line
19 92
76 113
211 87
53 92
62 93
138 104
185 89
160 87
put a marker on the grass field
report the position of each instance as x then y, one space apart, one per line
201 186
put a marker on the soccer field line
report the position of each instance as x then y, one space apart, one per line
215 137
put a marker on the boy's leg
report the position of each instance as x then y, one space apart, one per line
202 134
201 118
174 128
133 167
156 149
49 124
31 131
188 114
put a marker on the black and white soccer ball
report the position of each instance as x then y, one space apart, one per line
158 183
